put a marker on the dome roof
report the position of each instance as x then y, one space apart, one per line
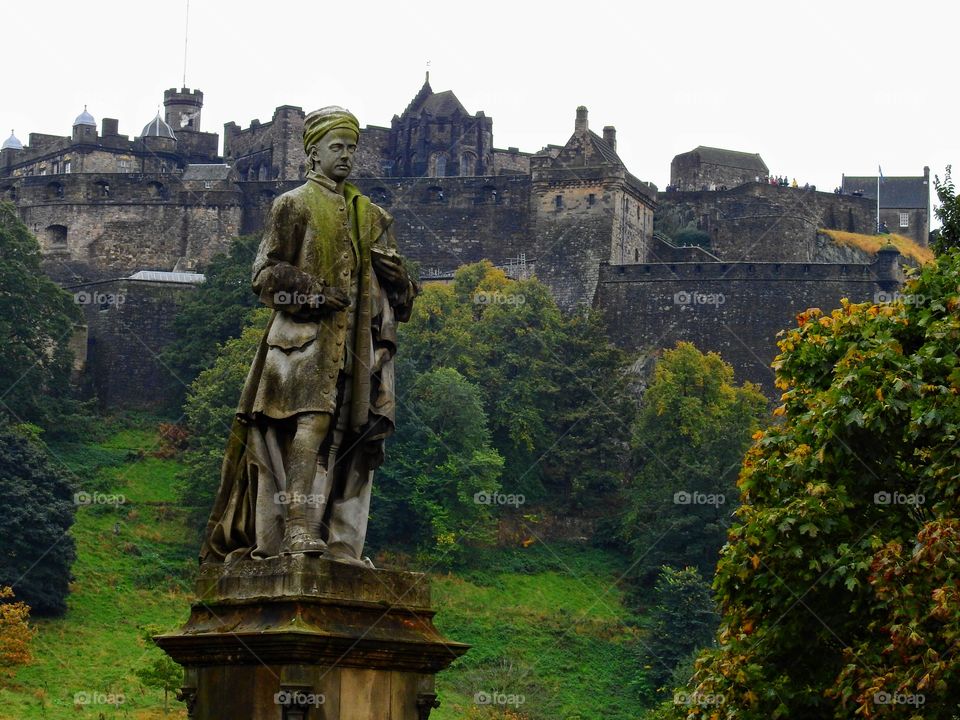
158 128
84 118
11 143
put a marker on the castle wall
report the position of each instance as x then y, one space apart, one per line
128 324
735 309
511 162
765 223
93 227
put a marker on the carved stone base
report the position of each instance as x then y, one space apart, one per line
301 638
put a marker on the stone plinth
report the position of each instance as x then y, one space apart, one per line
300 638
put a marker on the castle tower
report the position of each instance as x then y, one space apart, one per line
182 109
84 127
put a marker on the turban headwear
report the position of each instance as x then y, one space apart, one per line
320 122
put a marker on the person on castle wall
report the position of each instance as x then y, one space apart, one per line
794 183
318 402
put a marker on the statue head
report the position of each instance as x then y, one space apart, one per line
330 138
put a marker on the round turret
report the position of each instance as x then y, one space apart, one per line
11 143
158 128
85 118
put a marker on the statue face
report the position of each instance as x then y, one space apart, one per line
333 155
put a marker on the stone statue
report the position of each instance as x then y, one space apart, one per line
318 401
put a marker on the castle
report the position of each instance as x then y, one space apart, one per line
106 208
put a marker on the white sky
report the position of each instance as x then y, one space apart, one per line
817 88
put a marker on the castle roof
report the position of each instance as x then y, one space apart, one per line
730 158
443 103
603 149
158 128
11 143
895 192
182 278
84 118
207 171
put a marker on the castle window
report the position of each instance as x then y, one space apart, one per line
66 167
558 202
54 191
904 220
56 167
468 164
123 165
636 255
104 188
591 199
57 235
262 175
440 166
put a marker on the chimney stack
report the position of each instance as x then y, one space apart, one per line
110 126
610 136
581 125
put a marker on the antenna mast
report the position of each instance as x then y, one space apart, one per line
186 36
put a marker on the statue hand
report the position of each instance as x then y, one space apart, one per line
335 299
387 267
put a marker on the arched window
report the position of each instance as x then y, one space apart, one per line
468 164
157 190
262 175
439 163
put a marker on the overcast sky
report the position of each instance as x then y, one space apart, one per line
817 88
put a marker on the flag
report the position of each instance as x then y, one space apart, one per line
880 170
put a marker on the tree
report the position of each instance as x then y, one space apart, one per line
683 619
552 384
37 319
948 236
210 408
162 673
689 439
429 494
15 631
210 316
839 582
36 512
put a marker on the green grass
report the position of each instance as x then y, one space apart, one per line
547 623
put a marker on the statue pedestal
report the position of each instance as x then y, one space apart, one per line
300 638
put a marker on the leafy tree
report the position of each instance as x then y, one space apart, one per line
689 439
210 316
37 319
36 512
948 236
839 583
683 619
438 468
210 408
162 673
551 383
15 631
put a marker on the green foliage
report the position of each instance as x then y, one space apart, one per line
37 319
425 495
839 583
692 236
210 316
36 512
210 408
160 672
693 429
683 619
948 235
552 385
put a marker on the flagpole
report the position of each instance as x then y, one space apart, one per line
879 175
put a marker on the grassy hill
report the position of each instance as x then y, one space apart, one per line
547 623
